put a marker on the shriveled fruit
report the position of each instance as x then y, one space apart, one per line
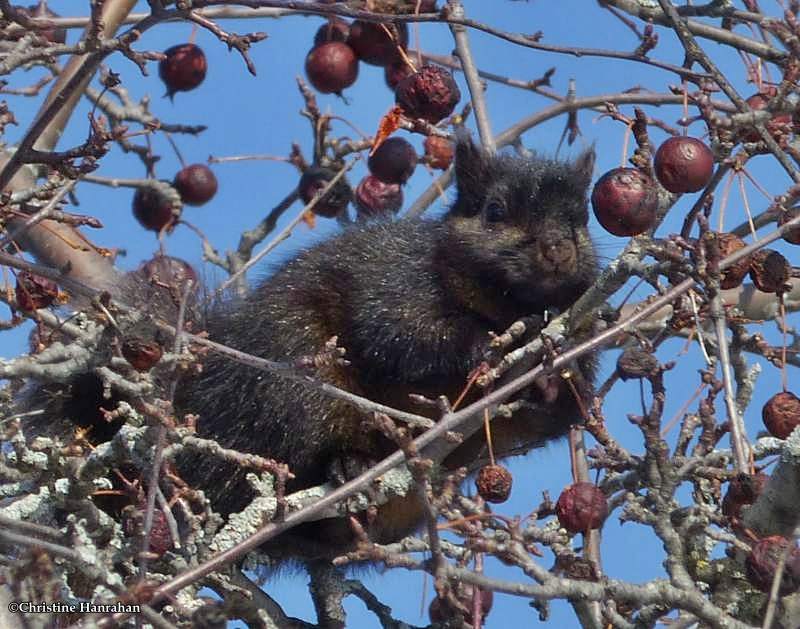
183 68
441 610
683 164
634 363
727 244
777 126
334 29
625 202
770 271
762 563
335 201
781 414
793 235
133 517
196 184
743 491
494 483
393 161
439 152
430 94
34 291
396 72
377 44
376 198
153 209
331 67
169 272
581 507
141 353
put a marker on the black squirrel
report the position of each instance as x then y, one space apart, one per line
413 302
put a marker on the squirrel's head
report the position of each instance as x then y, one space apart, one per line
521 223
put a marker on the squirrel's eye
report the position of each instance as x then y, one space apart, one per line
494 212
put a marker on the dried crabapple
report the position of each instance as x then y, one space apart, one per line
153 209
770 271
334 29
376 43
440 610
494 483
430 94
634 363
624 201
683 164
727 244
396 72
762 563
196 184
183 68
374 197
743 490
581 507
34 291
393 161
781 414
331 67
780 124
168 271
133 524
439 152
314 180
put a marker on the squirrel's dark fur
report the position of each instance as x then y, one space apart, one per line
413 302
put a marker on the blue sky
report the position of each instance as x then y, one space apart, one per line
248 115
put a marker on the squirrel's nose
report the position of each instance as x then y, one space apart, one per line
559 252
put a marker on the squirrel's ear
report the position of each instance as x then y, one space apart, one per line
584 166
470 169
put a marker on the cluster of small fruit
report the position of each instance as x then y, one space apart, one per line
182 69
765 554
428 93
34 292
764 558
581 507
379 193
781 415
332 62
625 200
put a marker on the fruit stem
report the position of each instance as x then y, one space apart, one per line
175 148
488 430
784 375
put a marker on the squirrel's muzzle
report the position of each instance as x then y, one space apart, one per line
557 253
